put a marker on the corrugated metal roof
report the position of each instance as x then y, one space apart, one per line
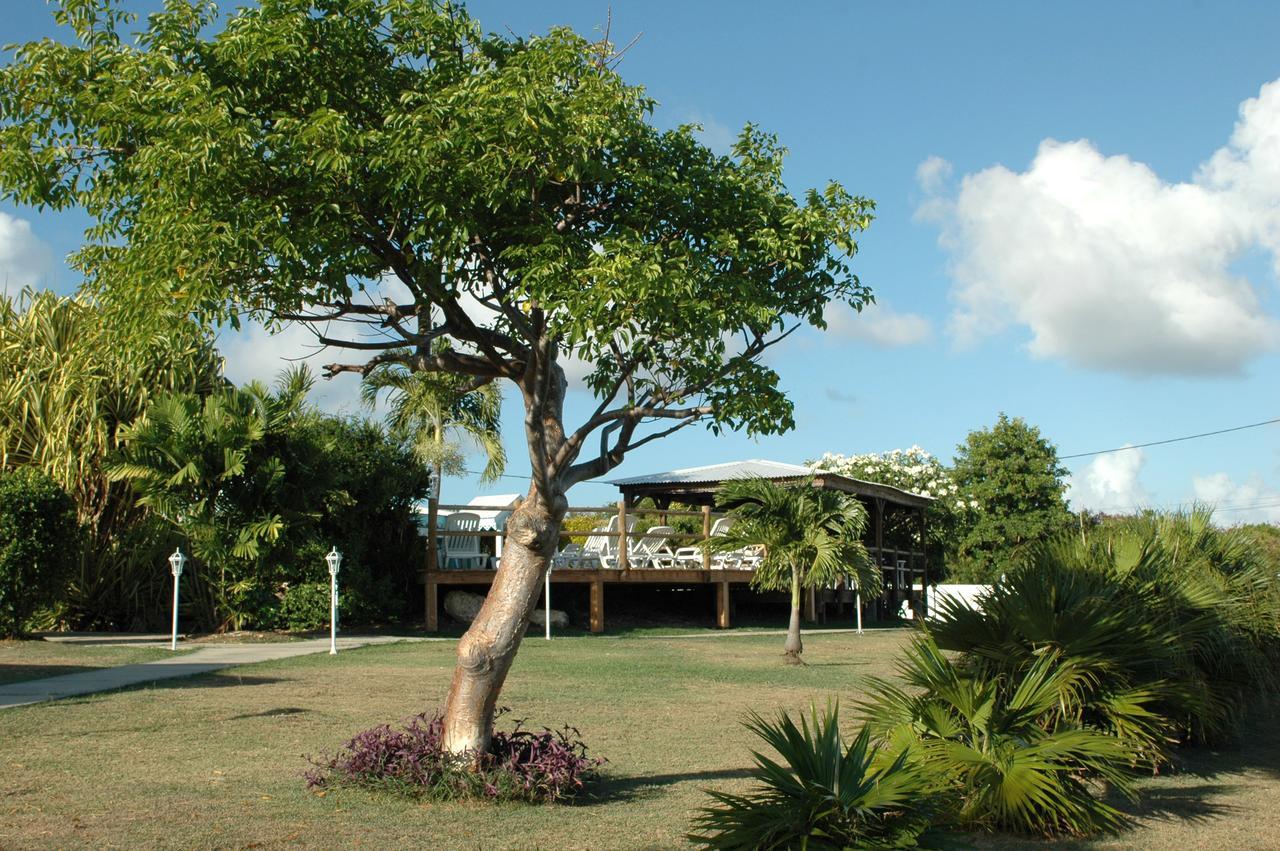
752 469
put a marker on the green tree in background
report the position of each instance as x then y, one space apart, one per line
205 465
437 415
811 538
1014 474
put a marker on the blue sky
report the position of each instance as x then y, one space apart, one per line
1076 224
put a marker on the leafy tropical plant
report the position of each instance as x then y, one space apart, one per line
1173 620
811 537
199 464
72 374
992 742
822 794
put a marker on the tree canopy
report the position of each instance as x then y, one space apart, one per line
1014 474
387 172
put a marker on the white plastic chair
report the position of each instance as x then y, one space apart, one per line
692 556
461 551
651 550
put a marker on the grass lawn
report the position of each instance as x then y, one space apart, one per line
34 659
217 760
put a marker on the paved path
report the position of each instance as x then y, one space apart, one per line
201 660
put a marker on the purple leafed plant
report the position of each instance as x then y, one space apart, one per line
522 765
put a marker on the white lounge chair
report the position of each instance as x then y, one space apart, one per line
600 545
651 550
462 551
692 556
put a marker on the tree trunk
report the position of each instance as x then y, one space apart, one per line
794 646
488 648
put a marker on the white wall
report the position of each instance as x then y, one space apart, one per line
966 594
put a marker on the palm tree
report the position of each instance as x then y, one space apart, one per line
811 537
438 415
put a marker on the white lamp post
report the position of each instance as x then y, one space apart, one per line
334 560
176 563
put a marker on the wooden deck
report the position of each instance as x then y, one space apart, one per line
598 579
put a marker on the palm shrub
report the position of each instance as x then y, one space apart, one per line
1007 761
1170 619
822 794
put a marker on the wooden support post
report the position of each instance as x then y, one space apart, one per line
623 562
811 604
597 606
706 537
433 607
924 567
722 605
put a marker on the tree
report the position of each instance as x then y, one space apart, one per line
38 542
811 538
435 414
1015 476
316 157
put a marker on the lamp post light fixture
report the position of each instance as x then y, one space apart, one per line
176 563
334 560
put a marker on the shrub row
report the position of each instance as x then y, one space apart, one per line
1084 667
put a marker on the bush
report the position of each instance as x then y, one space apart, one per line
826 795
1011 763
520 766
1173 620
306 607
38 545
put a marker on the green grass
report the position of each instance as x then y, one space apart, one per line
217 760
33 660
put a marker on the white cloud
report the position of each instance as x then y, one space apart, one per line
877 324
1250 502
933 174
255 353
1109 266
1110 484
715 135
24 259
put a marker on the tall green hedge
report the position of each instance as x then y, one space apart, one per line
39 541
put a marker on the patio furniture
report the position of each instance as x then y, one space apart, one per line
462 551
651 550
600 545
692 556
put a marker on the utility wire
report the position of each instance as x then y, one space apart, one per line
1170 440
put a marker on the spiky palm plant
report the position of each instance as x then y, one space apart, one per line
1171 618
989 740
811 538
820 793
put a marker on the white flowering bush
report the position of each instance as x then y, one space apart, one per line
909 469
917 471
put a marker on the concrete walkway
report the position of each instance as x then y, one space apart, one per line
201 660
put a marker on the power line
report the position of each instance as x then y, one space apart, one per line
1170 440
